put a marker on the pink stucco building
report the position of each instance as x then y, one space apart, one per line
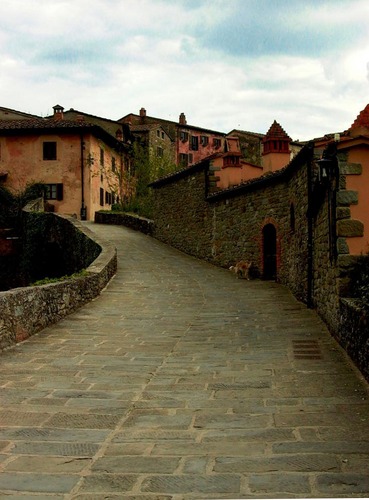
190 144
81 162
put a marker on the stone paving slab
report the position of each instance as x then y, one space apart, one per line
181 382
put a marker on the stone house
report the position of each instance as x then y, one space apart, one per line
12 114
81 162
156 143
190 144
304 225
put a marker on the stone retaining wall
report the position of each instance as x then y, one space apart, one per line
125 219
27 310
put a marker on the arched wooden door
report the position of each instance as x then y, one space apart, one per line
269 252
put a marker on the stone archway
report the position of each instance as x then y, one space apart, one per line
269 252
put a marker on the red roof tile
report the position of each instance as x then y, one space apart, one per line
276 132
362 119
41 123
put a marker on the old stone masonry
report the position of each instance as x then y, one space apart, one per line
181 381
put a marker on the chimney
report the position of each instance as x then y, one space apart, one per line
58 112
182 119
142 115
119 135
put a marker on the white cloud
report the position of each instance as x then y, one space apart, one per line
225 64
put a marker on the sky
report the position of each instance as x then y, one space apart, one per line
226 64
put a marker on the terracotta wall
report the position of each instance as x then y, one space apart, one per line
22 158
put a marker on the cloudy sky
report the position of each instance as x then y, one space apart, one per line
225 63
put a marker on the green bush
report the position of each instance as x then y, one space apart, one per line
140 205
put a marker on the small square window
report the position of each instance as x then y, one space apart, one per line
49 150
54 192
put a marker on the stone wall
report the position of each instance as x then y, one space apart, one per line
353 333
125 219
27 310
226 226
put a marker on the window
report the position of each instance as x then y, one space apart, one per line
184 136
101 157
183 160
231 160
159 152
49 150
101 197
113 164
54 192
158 133
194 143
216 143
108 198
162 135
204 140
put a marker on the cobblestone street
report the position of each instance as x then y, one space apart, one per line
182 382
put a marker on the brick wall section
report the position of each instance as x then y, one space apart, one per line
27 310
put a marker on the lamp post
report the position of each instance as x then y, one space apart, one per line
329 178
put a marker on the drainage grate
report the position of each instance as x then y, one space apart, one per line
306 349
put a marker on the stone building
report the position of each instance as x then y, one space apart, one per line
303 225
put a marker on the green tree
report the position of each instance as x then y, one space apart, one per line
146 167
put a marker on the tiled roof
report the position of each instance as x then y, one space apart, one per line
41 123
276 132
144 127
6 111
246 132
362 120
49 125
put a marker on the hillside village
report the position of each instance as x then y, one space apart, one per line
89 163
297 212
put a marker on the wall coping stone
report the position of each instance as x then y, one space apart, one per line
25 311
133 221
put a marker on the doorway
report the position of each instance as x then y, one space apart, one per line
269 252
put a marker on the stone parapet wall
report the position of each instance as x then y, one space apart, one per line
26 310
133 221
353 333
223 227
